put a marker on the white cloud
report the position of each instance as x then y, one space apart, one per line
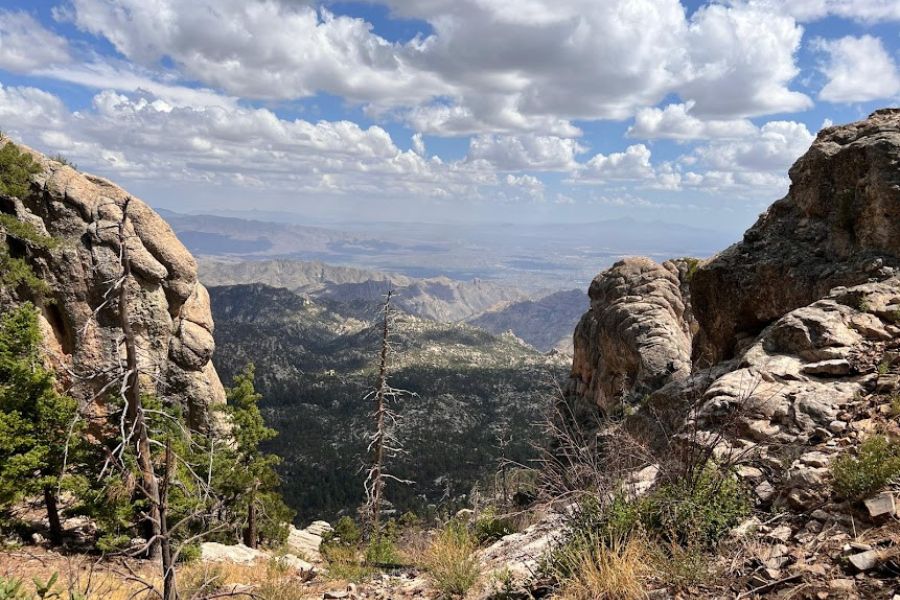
418 144
542 153
488 66
675 122
858 69
865 11
267 49
631 165
742 62
26 45
760 160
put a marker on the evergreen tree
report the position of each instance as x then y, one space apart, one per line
37 424
249 481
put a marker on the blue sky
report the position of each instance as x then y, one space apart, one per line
446 110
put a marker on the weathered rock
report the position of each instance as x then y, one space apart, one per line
865 561
307 542
636 337
238 553
169 309
884 503
838 225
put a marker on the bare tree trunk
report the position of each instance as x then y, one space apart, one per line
53 516
170 589
378 442
134 409
251 535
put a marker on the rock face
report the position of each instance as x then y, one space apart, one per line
636 337
170 310
838 225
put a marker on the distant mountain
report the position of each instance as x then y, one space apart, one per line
315 365
531 257
546 323
439 299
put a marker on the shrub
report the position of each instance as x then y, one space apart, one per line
11 589
876 463
346 532
609 571
16 169
451 561
489 526
698 512
381 551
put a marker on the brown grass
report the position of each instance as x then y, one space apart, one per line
610 572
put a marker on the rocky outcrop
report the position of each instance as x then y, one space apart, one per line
838 225
636 337
170 312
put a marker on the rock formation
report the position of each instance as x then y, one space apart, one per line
636 337
170 311
793 360
838 225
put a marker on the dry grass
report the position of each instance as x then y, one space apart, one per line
86 577
451 562
614 571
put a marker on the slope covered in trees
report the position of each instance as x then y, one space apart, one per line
474 397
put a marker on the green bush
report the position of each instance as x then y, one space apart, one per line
451 561
16 169
489 526
381 551
346 532
676 516
696 513
876 463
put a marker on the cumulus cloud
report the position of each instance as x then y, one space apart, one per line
486 66
675 122
541 153
865 11
858 69
631 165
761 160
25 44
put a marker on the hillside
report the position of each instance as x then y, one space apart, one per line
315 366
545 323
438 298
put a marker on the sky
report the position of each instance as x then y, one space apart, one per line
458 111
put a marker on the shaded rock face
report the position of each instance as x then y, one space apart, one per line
169 309
838 225
636 337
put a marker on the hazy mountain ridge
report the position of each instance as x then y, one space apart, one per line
545 323
439 299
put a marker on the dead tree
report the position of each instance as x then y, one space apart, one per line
134 411
383 444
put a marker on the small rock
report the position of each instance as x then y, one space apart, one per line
746 527
859 547
748 472
837 426
815 459
837 367
883 504
821 515
37 538
781 534
865 561
339 595
765 491
842 585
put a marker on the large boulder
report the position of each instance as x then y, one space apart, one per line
636 337
170 310
839 225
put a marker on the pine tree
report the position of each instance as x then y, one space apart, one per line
38 434
251 481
